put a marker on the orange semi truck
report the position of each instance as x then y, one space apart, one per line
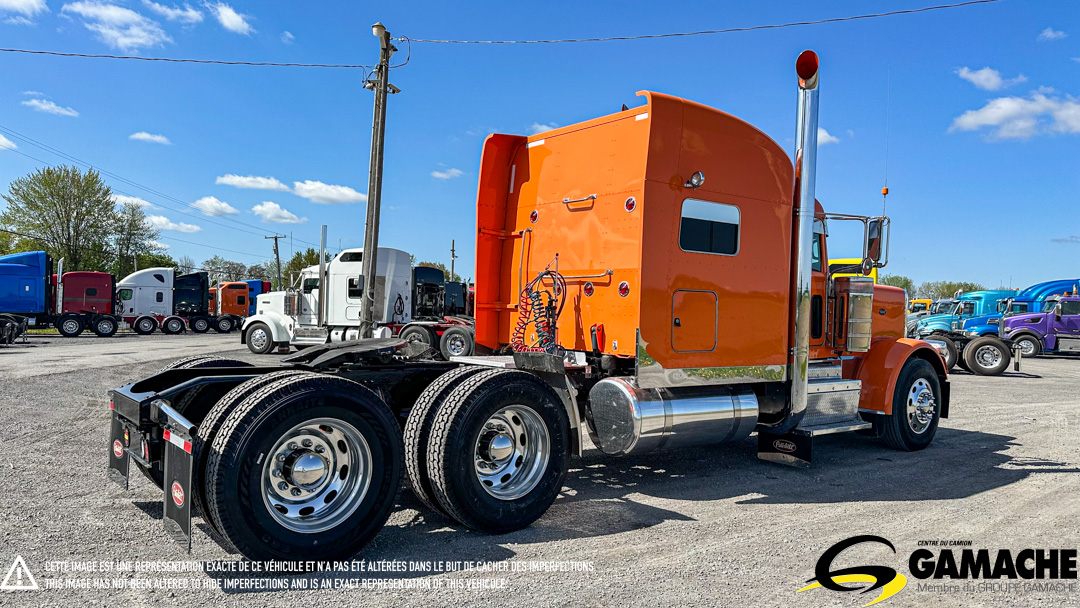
654 278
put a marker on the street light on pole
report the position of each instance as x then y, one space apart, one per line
379 83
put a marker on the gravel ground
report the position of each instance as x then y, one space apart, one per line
710 526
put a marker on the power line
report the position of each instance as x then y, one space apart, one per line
117 253
203 61
710 32
120 178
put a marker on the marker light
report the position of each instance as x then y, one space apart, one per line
624 289
630 204
696 180
533 216
588 289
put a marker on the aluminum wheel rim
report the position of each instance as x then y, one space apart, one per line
316 475
71 326
511 452
455 345
175 326
146 325
201 324
920 406
105 326
225 324
987 356
258 338
1027 346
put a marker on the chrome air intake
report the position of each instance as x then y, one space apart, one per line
627 418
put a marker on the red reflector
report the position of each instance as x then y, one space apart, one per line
624 289
127 438
631 204
533 216
588 288
112 406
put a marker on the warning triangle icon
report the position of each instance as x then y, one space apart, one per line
18 577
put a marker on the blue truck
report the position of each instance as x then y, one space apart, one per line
1027 301
968 305
255 288
982 355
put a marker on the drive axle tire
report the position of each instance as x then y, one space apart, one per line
224 325
144 326
104 327
987 356
456 342
1029 345
418 333
200 325
208 430
259 339
915 408
70 326
173 326
418 432
303 468
499 450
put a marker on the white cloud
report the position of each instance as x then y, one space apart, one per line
123 199
272 212
823 137
1050 34
18 20
230 19
150 138
287 37
210 205
448 174
1073 239
163 223
33 93
119 27
175 13
1022 117
540 128
318 192
27 8
988 79
251 182
7 144
44 105
158 244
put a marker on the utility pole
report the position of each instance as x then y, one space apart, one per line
453 256
277 256
379 83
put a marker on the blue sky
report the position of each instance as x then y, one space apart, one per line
983 122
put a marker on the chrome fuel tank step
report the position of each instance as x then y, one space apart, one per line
831 401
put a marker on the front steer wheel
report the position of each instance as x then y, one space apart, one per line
306 467
498 450
987 356
1029 346
916 408
259 339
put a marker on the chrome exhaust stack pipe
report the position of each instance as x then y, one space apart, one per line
806 138
321 309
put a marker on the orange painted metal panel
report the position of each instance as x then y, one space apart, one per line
695 320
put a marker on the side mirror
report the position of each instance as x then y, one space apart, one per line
875 229
1057 311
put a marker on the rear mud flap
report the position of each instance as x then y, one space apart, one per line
793 449
119 461
177 486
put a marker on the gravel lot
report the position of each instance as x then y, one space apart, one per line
707 527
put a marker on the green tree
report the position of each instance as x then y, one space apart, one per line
936 290
185 264
299 261
899 280
134 237
155 259
443 268
222 270
71 211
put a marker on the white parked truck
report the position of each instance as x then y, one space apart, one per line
301 316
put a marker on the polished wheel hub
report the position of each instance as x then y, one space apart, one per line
316 475
455 345
258 338
511 452
987 356
920 406
1027 346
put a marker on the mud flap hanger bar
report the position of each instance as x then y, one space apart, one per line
178 434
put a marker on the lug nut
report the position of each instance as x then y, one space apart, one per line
277 472
281 458
319 449
283 486
292 445
295 492
307 443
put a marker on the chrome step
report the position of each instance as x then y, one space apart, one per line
829 429
831 401
824 368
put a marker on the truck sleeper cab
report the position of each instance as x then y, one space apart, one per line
1028 300
654 278
31 295
160 297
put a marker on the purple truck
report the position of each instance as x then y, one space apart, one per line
1056 329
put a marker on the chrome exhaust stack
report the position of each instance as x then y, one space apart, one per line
806 137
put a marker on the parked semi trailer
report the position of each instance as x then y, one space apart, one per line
229 305
160 297
32 296
1056 329
635 300
409 303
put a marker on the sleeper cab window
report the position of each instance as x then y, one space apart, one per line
707 227
125 294
91 291
159 296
